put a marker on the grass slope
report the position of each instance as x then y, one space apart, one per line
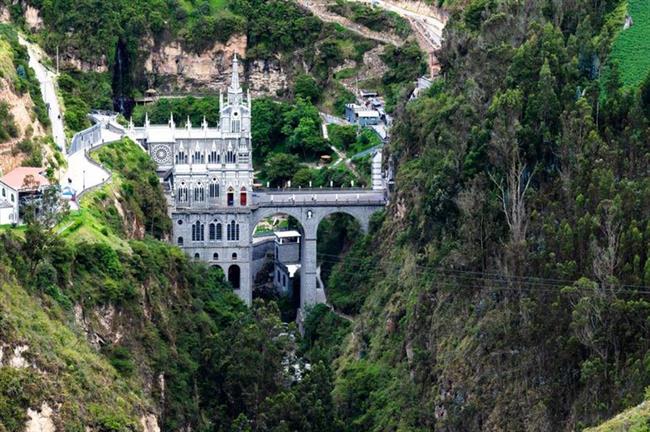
65 369
635 419
631 47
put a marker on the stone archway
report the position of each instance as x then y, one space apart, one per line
234 276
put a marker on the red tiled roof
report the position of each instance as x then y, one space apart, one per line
16 178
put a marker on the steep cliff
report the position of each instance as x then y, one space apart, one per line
507 287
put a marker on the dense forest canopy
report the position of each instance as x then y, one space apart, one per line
526 162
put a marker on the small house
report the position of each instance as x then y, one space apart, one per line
17 188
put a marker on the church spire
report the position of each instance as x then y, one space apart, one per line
234 80
234 91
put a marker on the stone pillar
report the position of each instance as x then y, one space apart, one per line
364 223
308 289
246 281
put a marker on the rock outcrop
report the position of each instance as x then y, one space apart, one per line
22 110
40 421
169 67
149 423
33 18
266 77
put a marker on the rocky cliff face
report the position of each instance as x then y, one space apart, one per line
21 107
170 68
266 77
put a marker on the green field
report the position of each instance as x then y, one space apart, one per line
631 49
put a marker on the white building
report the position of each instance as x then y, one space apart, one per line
287 259
15 187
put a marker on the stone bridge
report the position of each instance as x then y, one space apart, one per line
310 207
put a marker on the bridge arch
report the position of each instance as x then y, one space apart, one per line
265 213
359 214
234 276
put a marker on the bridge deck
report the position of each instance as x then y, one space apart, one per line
319 197
294 198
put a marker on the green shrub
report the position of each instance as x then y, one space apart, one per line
18 391
8 128
120 358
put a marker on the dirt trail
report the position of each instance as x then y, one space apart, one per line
319 9
426 21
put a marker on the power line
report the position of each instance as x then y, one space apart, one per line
524 282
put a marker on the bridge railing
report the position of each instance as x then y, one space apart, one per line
307 190
86 139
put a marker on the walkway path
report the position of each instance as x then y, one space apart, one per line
47 79
319 9
83 173
318 197
426 21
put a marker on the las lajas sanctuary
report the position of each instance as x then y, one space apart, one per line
208 173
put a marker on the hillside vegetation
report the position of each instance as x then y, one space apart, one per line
508 288
112 325
23 114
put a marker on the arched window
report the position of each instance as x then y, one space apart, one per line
231 197
181 157
242 197
181 193
231 157
180 241
219 231
213 157
236 126
232 230
198 157
213 190
212 232
197 256
234 255
199 193
234 276
215 256
198 233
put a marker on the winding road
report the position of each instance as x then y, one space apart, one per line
47 80
82 173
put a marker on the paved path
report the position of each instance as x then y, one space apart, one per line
83 173
332 119
366 152
47 79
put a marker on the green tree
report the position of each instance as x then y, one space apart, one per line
266 129
280 167
305 87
